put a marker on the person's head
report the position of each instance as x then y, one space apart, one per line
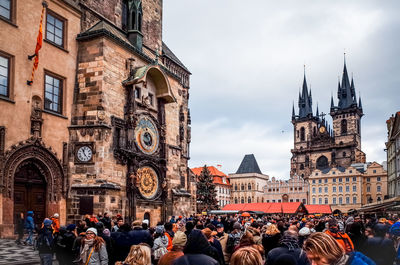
21 214
237 226
136 224
246 256
139 255
179 240
56 215
120 222
369 232
209 234
333 226
247 239
220 228
91 233
47 222
168 226
322 249
106 215
272 229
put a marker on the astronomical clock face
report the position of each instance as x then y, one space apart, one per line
148 182
146 135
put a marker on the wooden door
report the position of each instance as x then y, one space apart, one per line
29 192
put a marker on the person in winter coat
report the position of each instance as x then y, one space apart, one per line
288 245
68 241
93 249
29 226
56 223
45 243
20 228
170 234
342 238
107 239
356 232
106 220
178 243
223 239
122 242
216 249
138 235
380 249
322 249
160 243
270 239
234 238
60 247
197 251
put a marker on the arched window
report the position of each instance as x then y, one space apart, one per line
343 126
249 200
301 166
302 134
242 187
236 188
242 200
249 186
322 162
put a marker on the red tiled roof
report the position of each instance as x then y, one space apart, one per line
217 175
266 207
290 207
318 208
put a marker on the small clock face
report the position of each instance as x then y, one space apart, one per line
322 129
148 182
146 135
84 153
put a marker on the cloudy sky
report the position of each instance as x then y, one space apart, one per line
247 57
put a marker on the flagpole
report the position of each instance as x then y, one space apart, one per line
39 42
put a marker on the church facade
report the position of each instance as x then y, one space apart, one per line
317 145
105 125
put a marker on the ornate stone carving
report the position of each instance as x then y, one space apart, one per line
36 117
35 151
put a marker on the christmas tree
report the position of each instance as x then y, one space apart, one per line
206 193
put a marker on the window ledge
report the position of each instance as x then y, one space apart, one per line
7 99
55 45
8 21
55 114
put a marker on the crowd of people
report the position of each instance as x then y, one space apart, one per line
217 240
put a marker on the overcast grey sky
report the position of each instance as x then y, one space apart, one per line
247 57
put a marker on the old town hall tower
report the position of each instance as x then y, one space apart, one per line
317 144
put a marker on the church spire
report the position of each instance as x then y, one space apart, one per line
332 104
293 112
359 103
317 112
345 94
305 100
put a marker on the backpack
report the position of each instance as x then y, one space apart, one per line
233 241
44 241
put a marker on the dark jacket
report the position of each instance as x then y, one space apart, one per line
381 250
139 235
122 245
107 222
288 246
270 242
197 251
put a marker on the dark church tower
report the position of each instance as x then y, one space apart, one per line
347 121
316 145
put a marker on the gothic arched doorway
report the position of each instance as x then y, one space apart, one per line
30 191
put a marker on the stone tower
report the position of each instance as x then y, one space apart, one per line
316 145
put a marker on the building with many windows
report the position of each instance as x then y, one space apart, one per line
248 183
222 184
393 155
347 189
295 189
105 124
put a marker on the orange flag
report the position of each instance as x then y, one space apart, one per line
39 42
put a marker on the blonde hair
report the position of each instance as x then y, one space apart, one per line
272 230
246 256
324 246
139 255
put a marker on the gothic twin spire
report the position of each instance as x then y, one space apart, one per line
346 95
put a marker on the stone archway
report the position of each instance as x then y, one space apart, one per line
32 153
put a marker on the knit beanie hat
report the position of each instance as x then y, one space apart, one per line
180 239
92 229
71 227
160 229
47 222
